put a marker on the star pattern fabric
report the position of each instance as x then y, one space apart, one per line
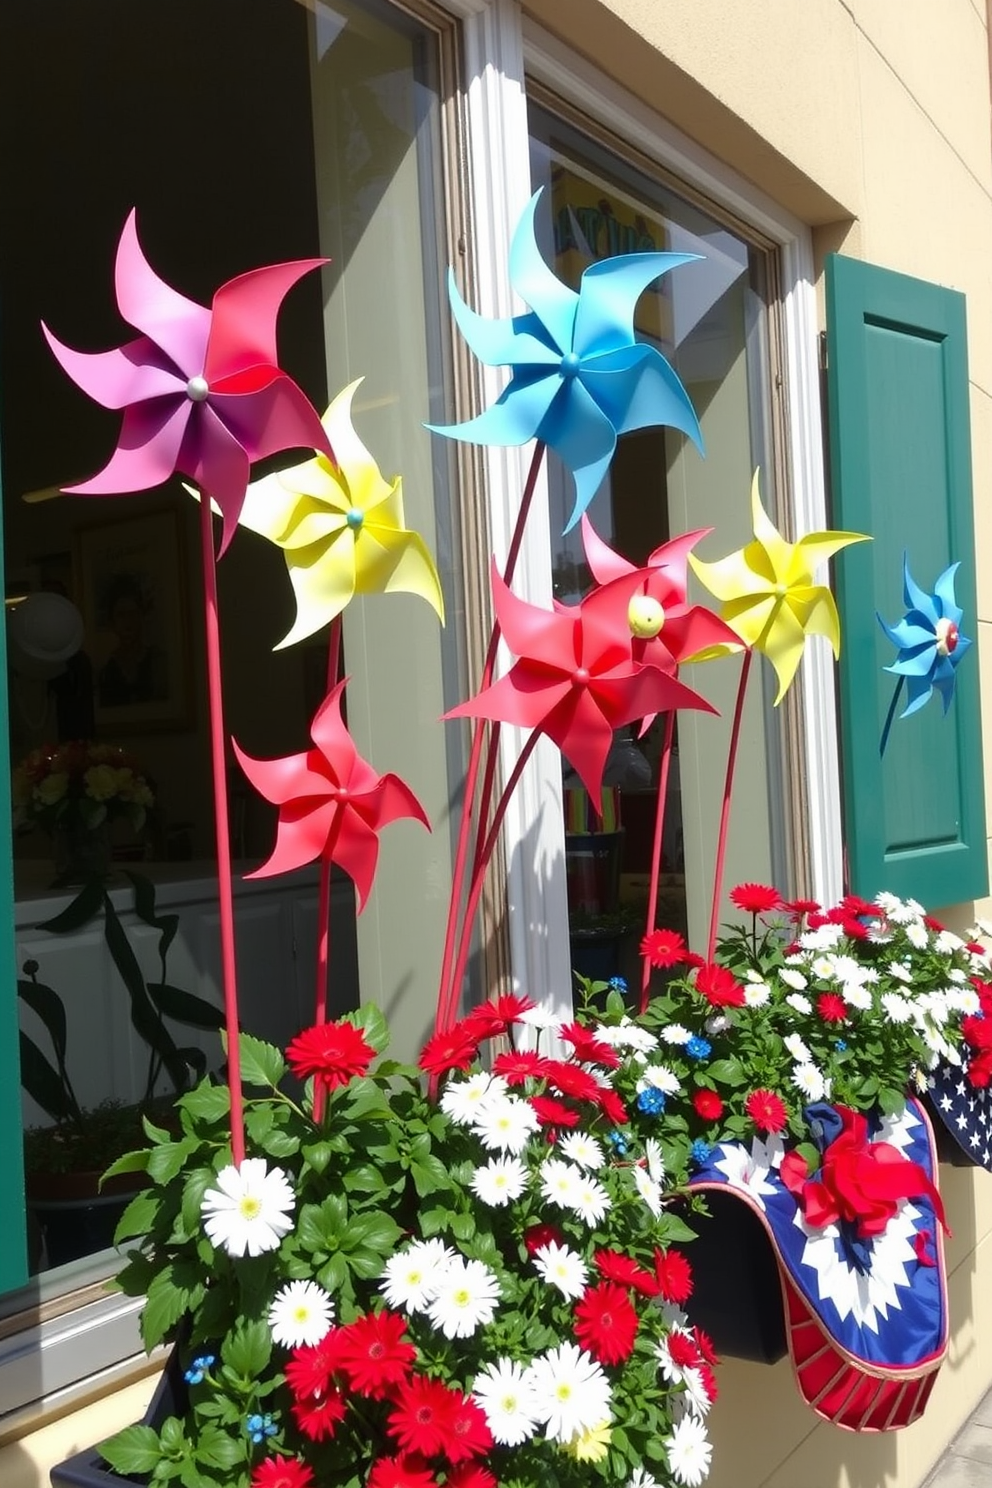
200 388
930 644
965 1110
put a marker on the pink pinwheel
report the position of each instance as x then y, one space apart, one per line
201 389
331 802
576 679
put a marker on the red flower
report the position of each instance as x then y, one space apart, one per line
977 1031
767 1110
664 948
452 1050
282 1472
491 1018
612 1106
470 1475
684 1351
551 1112
588 1047
375 1354
540 1235
708 1105
468 1431
310 1369
606 1323
980 1069
705 1344
709 1382
615 1266
516 1068
719 986
756 898
422 1415
332 1052
854 930
932 924
831 1007
853 904
814 920
976 948
674 1275
318 1415
796 908
401 1472
572 1079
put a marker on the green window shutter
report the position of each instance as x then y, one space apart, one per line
900 448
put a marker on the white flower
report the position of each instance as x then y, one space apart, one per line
411 1278
916 934
671 1371
756 994
887 902
466 1297
301 1314
571 1392
463 1099
660 1077
856 996
718 1023
957 976
585 1151
696 1394
947 942
540 1018
559 1182
824 968
901 970
750 1171
675 1033
506 1399
250 1209
506 1123
689 1451
809 1081
822 939
649 1179
800 1003
793 978
641 1479
591 1200
898 1009
627 1035
562 1268
501 1180
964 1000
797 1048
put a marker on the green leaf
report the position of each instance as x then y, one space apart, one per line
727 1071
166 1161
332 1274
247 1349
139 1216
281 1144
376 1231
366 1098
133 1450
79 913
130 1162
319 1154
429 1175
209 1103
155 1133
185 1007
261 1063
892 1102
320 1225
216 1449
165 1306
194 1188
373 1025
810 1154
670 1230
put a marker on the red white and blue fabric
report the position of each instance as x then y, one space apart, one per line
866 1318
965 1110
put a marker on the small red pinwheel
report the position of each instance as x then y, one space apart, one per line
331 802
201 389
576 679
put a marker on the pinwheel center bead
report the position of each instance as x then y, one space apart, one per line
580 676
947 637
197 389
355 518
570 364
645 616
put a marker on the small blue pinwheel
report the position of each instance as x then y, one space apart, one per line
579 377
930 644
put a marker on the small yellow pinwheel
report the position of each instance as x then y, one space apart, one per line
340 527
768 594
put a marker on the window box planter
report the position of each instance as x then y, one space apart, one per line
87 1469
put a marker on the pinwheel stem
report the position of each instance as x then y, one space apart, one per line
721 841
447 995
324 890
225 888
889 717
659 826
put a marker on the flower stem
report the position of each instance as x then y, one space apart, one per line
659 825
721 841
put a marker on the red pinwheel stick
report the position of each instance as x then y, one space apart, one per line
324 891
659 826
721 841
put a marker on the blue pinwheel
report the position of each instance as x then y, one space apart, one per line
579 377
930 644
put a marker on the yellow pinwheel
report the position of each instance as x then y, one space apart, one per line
340 526
767 591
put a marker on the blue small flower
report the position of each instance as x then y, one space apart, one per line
651 1101
618 1143
196 1371
699 1152
840 1045
259 1427
698 1048
618 984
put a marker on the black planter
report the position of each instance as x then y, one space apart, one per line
737 1296
87 1469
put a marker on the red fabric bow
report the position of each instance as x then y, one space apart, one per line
859 1181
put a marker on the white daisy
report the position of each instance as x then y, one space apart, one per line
641 1479
591 1200
562 1268
627 1035
823 968
250 1209
793 978
824 938
689 1451
411 1277
581 1149
540 1018
901 970
756 994
947 942
809 1081
506 1399
659 1077
856 996
559 1182
501 1180
916 934
800 1003
797 1048
957 976
649 1178
718 1023
465 1298
571 1391
965 1000
675 1033
897 1009
505 1123
750 1170
463 1099
696 1395
301 1314
672 1372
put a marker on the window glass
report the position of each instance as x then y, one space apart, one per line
244 132
709 320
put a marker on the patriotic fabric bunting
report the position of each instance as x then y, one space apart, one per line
965 1110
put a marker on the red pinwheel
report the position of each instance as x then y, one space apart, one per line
575 679
201 389
331 802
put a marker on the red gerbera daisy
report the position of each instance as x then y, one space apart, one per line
495 1017
332 1052
705 1345
422 1415
540 1235
571 1079
318 1415
664 948
615 1266
980 1069
282 1472
468 1431
767 1110
719 986
975 947
796 908
815 920
606 1323
588 1047
684 1350
674 1275
452 1050
401 1472
708 1105
470 1475
517 1068
935 925
310 1369
709 1382
551 1112
375 1353
756 898
611 1105
853 904
854 930
831 1007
